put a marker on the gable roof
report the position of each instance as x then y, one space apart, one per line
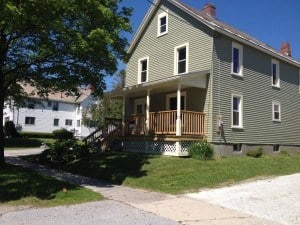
32 92
214 24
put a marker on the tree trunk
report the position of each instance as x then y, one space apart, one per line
2 160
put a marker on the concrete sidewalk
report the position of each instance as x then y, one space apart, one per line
180 208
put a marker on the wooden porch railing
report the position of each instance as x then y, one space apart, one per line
164 122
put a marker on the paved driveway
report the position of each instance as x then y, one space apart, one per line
276 199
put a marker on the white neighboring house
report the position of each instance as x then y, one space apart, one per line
56 112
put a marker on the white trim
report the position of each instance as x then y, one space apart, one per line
186 45
299 81
276 62
139 81
174 95
241 56
161 15
240 110
273 111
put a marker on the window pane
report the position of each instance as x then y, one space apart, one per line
236 60
274 73
181 67
276 108
144 65
144 76
235 104
182 54
276 115
163 21
236 121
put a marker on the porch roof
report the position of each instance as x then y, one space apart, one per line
196 79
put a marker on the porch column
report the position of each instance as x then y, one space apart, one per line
178 118
123 116
147 111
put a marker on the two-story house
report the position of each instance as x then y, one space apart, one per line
58 111
191 76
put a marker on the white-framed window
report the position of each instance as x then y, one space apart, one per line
171 101
78 123
181 59
56 122
276 111
143 70
237 59
237 111
29 120
162 24
275 73
68 122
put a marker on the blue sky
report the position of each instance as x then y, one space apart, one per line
272 22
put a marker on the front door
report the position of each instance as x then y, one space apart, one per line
140 106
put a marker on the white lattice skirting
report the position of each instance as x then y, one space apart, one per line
174 148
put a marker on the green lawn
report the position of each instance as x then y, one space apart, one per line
20 186
179 175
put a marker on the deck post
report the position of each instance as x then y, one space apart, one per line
123 115
178 118
147 111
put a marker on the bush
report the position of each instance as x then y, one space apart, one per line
63 151
201 150
36 134
256 153
22 142
10 130
62 134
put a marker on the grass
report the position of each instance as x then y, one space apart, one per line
179 175
20 186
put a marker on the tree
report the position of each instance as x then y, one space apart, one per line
106 106
59 45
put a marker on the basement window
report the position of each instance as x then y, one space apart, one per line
275 148
237 147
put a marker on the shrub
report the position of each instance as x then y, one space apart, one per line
201 150
22 142
10 130
256 153
36 134
62 134
63 151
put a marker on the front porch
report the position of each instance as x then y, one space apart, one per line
165 116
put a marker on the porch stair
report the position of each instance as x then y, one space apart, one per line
104 138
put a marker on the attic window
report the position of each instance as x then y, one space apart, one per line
237 59
162 26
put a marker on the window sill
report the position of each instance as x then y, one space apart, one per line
276 121
276 87
237 128
237 75
179 74
162 34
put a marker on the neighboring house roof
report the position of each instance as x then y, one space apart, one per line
58 96
214 24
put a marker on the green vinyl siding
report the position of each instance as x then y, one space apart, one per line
258 94
182 29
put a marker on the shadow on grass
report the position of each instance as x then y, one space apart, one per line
17 183
114 167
